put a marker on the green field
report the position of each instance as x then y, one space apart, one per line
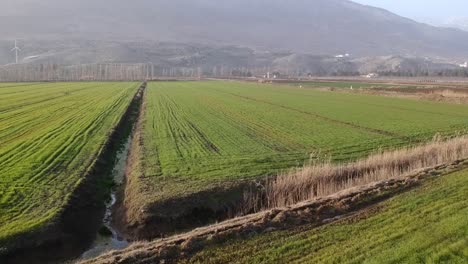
50 134
426 225
198 134
195 136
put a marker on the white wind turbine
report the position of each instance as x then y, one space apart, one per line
16 50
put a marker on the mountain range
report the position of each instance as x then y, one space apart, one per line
85 31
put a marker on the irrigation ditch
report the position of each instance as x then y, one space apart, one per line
108 237
87 213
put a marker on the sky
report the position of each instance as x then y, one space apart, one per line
423 9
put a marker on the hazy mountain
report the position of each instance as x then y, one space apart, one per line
452 22
460 23
318 27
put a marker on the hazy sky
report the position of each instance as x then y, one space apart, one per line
416 9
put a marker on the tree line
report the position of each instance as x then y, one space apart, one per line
148 71
461 72
116 72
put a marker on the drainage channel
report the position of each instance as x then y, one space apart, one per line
108 238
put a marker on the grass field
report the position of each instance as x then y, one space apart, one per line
50 134
196 134
426 225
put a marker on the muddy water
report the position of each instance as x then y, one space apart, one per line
108 238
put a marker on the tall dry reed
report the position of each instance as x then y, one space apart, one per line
325 178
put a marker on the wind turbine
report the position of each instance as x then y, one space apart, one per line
16 50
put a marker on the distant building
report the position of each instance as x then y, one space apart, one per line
372 75
342 55
465 65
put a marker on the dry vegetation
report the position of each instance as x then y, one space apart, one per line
452 95
324 178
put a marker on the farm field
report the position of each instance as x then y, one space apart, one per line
50 135
197 135
426 225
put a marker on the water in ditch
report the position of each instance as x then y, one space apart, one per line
108 238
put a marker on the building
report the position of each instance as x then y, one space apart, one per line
342 55
371 75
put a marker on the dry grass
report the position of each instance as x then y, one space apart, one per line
320 179
452 94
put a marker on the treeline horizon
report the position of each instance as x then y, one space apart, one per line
148 71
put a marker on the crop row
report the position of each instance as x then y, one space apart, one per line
50 134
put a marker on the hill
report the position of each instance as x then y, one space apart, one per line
311 26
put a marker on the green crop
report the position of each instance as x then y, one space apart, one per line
200 134
50 134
